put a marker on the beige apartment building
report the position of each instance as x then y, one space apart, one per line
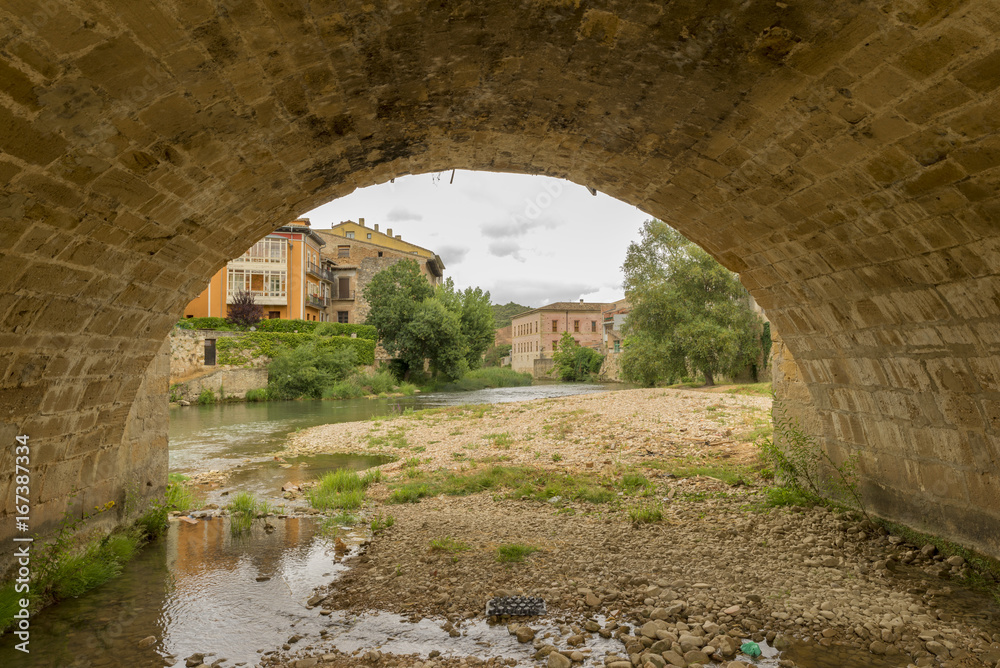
356 253
535 334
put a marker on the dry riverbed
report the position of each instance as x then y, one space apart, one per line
718 567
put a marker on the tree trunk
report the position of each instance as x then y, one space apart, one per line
709 378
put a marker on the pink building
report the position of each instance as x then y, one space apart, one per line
536 333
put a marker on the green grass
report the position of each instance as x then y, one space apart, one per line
635 483
410 492
179 497
177 477
752 389
243 510
381 522
646 514
342 489
394 438
501 440
514 552
448 544
777 497
483 378
519 482
557 457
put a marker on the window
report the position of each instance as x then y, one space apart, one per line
274 315
576 325
209 352
349 235
617 346
341 316
380 253
555 344
344 287
593 325
369 235
343 251
555 325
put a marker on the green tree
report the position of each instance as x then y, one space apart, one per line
688 311
574 362
308 369
477 325
495 354
415 322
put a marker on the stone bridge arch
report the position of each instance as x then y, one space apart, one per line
841 157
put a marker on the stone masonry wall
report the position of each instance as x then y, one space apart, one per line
842 157
224 382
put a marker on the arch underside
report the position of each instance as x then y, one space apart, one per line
841 158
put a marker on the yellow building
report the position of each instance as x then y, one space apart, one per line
357 231
284 272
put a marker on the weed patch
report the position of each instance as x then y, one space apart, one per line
514 552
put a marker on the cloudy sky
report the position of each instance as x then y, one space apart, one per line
528 239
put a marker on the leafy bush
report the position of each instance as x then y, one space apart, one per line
218 324
308 369
244 312
207 396
573 362
244 349
486 377
345 329
255 395
345 389
277 325
379 382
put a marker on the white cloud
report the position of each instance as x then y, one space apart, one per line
452 254
398 214
506 249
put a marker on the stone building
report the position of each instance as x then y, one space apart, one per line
535 334
356 253
612 322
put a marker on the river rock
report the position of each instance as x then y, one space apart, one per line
592 601
194 660
697 656
148 641
673 658
525 634
557 660
305 663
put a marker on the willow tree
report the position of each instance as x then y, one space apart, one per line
689 313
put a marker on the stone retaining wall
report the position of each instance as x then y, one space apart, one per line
224 382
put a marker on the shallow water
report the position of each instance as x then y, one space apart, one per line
219 436
196 590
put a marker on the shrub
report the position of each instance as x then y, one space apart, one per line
377 383
573 362
308 370
346 329
207 396
256 395
252 345
218 324
244 312
345 389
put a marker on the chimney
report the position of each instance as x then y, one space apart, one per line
581 301
388 231
376 227
361 222
399 236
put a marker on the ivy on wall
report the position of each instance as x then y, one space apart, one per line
244 349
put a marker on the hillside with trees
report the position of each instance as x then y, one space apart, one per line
503 313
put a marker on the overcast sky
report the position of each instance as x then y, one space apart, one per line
533 240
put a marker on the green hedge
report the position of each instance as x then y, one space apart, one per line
243 349
206 323
324 328
287 326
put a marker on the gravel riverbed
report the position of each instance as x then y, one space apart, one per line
718 569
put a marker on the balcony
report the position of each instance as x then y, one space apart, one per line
263 297
348 295
316 301
319 272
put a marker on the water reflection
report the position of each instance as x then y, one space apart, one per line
196 590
